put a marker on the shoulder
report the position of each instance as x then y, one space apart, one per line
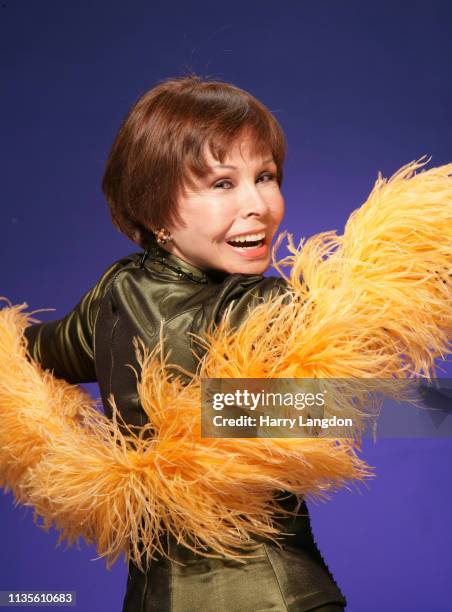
237 285
128 262
114 272
92 300
240 292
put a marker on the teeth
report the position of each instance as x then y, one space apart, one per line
248 237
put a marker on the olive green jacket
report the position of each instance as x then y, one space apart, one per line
94 341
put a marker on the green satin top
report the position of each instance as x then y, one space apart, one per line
93 342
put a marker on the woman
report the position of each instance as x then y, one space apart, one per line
194 179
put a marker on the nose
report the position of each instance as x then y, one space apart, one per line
253 202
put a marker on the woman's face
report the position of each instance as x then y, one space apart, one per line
231 215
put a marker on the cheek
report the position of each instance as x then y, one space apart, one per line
218 218
208 215
208 227
195 222
283 208
278 208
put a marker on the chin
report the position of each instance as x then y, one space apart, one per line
257 267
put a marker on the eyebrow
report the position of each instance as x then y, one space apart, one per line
266 161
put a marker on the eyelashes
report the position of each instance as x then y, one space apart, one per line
268 175
228 183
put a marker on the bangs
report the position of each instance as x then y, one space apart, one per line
219 137
166 141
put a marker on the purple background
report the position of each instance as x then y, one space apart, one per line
359 87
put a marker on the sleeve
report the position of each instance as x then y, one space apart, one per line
66 345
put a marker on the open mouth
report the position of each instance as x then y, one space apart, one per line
246 244
253 240
250 246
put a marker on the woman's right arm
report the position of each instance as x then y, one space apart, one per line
66 345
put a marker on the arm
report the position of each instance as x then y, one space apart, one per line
66 345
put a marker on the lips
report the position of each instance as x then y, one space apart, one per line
250 250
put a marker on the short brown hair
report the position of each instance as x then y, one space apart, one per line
163 139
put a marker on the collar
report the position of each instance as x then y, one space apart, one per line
181 267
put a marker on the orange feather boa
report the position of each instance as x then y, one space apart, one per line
375 302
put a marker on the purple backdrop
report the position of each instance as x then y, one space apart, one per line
358 87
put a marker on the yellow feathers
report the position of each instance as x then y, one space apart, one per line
87 479
375 302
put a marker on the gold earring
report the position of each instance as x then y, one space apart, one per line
162 235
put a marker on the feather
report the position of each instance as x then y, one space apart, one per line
374 302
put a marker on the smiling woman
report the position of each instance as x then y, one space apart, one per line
194 178
234 213
180 131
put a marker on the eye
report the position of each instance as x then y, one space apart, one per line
224 184
265 177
